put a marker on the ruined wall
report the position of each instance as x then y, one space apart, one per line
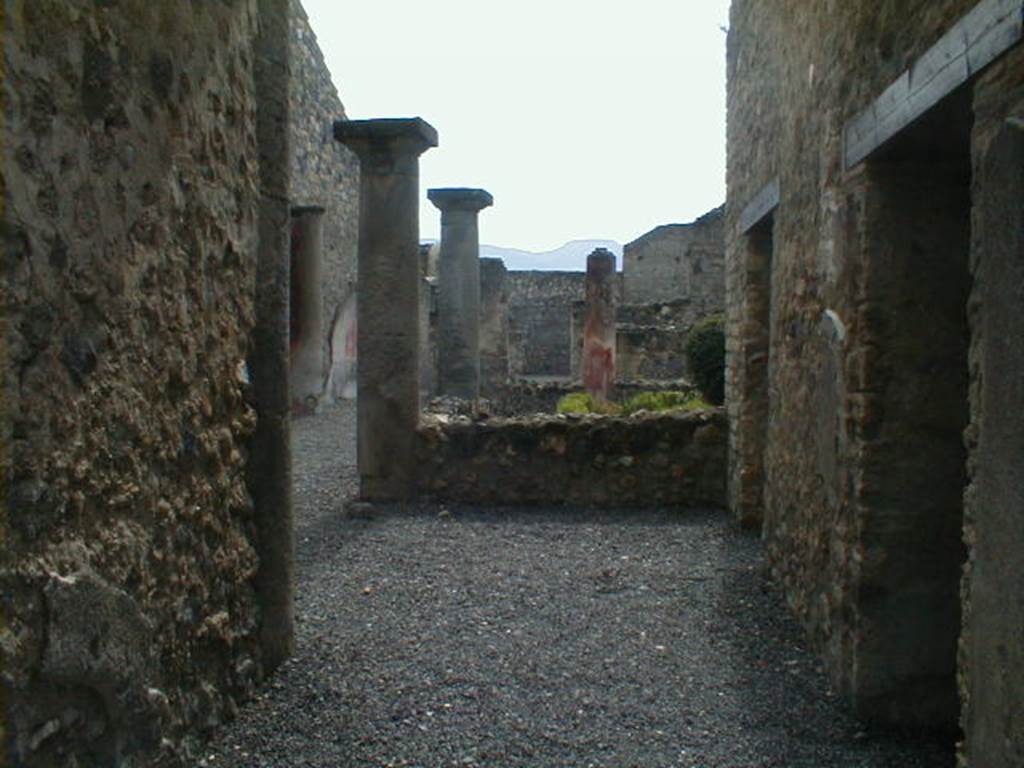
428 256
654 460
680 313
539 306
493 326
651 352
672 277
130 173
991 648
676 261
651 338
428 336
325 174
843 301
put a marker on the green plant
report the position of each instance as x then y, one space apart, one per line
705 351
583 402
663 401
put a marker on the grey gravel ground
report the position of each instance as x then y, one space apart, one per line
465 637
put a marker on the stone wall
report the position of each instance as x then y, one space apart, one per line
651 338
847 351
146 563
428 255
539 316
325 174
494 322
654 460
428 336
651 352
130 169
991 648
532 321
677 261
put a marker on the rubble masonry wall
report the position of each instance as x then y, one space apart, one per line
326 174
651 460
539 313
796 78
677 261
131 172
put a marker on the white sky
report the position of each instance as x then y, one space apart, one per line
586 119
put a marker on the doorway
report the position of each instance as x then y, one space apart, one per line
912 312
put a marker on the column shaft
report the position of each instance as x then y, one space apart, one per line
387 307
459 306
306 331
270 474
599 327
458 310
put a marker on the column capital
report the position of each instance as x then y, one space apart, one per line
386 136
601 261
460 198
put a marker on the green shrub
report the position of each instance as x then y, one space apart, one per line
663 401
582 402
705 350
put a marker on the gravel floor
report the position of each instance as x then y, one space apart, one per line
462 637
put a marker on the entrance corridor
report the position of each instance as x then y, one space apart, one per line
440 636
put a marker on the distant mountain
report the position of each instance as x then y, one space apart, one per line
570 257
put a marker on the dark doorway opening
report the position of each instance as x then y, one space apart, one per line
755 352
912 457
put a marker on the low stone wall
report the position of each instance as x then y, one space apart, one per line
669 459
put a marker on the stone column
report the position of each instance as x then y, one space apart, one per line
270 467
458 310
599 326
305 315
387 307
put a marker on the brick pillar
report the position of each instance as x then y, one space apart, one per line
387 305
599 326
458 318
